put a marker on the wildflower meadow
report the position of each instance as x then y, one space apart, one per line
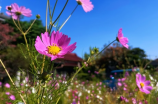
35 79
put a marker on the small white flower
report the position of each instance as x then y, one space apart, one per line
79 94
89 101
88 91
33 90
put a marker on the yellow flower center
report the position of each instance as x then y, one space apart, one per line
79 2
142 85
54 49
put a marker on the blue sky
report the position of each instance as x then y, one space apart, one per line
138 18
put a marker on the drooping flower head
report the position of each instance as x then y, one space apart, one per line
54 46
15 11
86 4
12 97
142 84
121 39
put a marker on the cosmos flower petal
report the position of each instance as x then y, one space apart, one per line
46 39
120 33
138 76
149 88
40 47
142 78
25 12
147 83
64 41
86 4
87 8
71 47
121 39
15 7
52 37
53 58
57 37
9 13
14 16
138 84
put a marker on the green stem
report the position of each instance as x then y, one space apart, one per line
54 10
17 26
58 100
68 17
87 61
58 16
42 95
105 48
46 14
75 74
30 26
28 48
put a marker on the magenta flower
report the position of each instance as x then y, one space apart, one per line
86 4
15 11
86 64
7 93
54 46
125 88
121 39
123 79
119 84
12 97
7 85
122 98
134 101
142 84
87 97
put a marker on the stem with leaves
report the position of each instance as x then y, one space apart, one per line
12 81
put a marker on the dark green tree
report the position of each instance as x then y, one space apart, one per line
35 31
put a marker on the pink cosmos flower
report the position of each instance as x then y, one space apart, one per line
125 88
142 84
86 64
122 98
86 4
15 11
7 85
12 97
121 39
54 46
100 83
134 101
119 84
7 93
123 79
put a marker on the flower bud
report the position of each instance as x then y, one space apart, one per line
38 16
